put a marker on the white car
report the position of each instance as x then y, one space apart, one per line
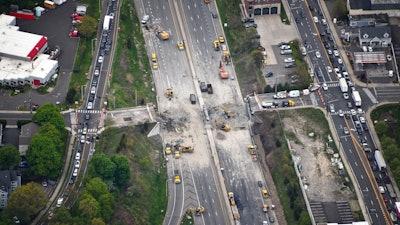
288 60
325 86
362 119
100 60
318 55
336 53
345 96
332 108
390 73
83 138
353 112
329 52
340 61
341 114
145 19
78 156
337 72
75 173
84 130
96 72
329 69
77 164
90 105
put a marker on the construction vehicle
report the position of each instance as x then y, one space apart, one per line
199 210
207 1
217 45
252 149
160 33
265 208
168 149
181 45
222 73
223 126
177 154
235 211
225 54
227 113
169 93
186 149
177 177
209 89
221 39
264 193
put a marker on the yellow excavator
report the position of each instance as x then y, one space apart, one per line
169 93
228 113
223 126
199 210
160 33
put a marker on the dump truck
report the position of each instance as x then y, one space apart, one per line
186 149
160 33
169 93
235 211
209 89
177 177
265 208
168 150
252 149
222 73
217 45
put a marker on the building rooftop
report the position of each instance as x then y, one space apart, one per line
379 31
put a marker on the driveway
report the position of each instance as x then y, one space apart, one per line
55 24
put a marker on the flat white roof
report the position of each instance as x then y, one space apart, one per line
6 20
13 69
20 44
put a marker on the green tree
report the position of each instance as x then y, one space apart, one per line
26 200
107 204
97 221
9 157
381 129
51 114
258 58
63 216
50 131
88 26
340 9
96 187
89 207
103 166
122 172
43 157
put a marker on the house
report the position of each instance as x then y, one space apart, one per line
368 20
380 36
364 7
262 7
9 180
27 132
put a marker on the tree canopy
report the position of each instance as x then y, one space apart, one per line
43 157
26 200
122 172
9 157
96 187
88 26
103 166
49 113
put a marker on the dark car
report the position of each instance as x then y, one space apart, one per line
297 20
374 167
71 180
359 131
378 180
87 116
319 74
269 74
347 116
259 184
192 98
354 117
203 87
285 104
214 15
302 14
91 98
369 155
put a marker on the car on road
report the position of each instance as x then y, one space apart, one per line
75 173
346 130
332 108
214 15
90 105
155 65
330 52
365 127
84 130
271 219
97 71
44 183
336 53
353 112
340 61
203 86
346 75
259 184
269 74
325 86
78 156
341 114
345 96
145 19
87 116
83 137
362 119
288 60
100 60
72 179
221 39
315 87
329 69
349 105
264 193
318 54
192 98
77 163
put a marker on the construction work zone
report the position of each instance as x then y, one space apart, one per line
197 210
160 33
222 72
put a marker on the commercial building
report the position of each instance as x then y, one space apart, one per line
21 57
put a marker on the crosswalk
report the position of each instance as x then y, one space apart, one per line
90 131
85 111
333 84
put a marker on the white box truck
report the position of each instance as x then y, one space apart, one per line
380 160
106 23
356 98
343 85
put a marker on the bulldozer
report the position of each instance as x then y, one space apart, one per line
169 93
160 33
199 210
223 126
186 149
